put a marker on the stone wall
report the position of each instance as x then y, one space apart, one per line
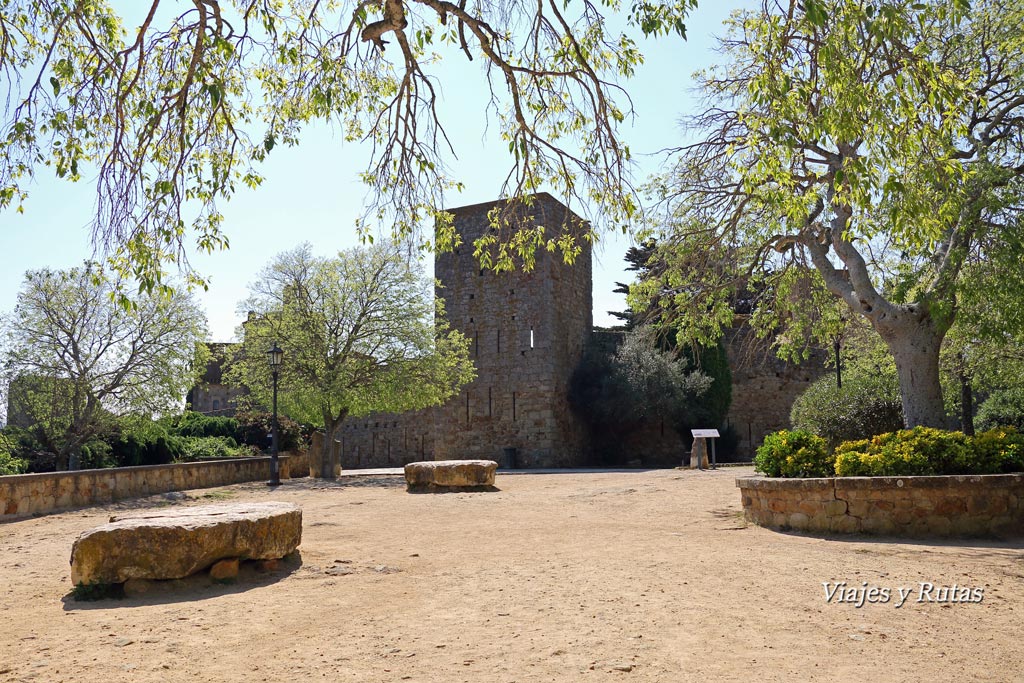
386 439
29 494
976 505
763 386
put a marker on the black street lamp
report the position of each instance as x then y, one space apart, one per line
275 356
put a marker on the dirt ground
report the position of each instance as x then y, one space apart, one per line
640 576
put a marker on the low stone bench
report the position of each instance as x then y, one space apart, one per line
173 544
450 475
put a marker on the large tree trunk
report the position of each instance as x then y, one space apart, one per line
914 340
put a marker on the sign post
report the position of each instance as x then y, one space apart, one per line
706 434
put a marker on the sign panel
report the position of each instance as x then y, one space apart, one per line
704 433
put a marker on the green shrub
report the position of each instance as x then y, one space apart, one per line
196 424
924 451
795 454
10 463
195 448
865 406
999 450
902 453
1003 408
138 440
96 455
254 430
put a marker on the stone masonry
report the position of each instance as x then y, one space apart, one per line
527 332
990 505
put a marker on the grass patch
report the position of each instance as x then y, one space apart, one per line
90 592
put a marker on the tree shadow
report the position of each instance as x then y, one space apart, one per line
192 588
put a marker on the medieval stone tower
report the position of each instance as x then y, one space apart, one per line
527 333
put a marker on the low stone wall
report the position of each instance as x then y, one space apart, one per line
298 463
29 494
977 505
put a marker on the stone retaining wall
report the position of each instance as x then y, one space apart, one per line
977 505
28 494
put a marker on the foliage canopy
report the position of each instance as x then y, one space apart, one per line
871 164
74 356
177 113
361 332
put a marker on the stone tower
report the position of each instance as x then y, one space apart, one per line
527 333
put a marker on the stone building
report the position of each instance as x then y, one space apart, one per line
528 332
212 396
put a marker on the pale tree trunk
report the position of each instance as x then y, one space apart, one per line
914 340
331 425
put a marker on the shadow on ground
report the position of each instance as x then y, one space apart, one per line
189 589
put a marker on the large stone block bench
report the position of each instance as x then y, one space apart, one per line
173 544
450 475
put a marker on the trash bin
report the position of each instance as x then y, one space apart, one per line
510 457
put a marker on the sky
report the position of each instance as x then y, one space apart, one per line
312 193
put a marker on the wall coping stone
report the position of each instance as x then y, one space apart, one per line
49 476
915 482
22 495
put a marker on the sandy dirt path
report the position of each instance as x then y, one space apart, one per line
640 577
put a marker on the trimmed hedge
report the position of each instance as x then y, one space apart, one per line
921 451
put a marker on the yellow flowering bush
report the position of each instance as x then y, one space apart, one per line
925 451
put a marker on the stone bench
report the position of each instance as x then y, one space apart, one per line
450 475
173 544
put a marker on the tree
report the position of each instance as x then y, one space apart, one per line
616 393
85 357
360 332
874 159
176 113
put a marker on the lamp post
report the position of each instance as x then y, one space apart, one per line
275 357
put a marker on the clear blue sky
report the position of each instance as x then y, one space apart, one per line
312 192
